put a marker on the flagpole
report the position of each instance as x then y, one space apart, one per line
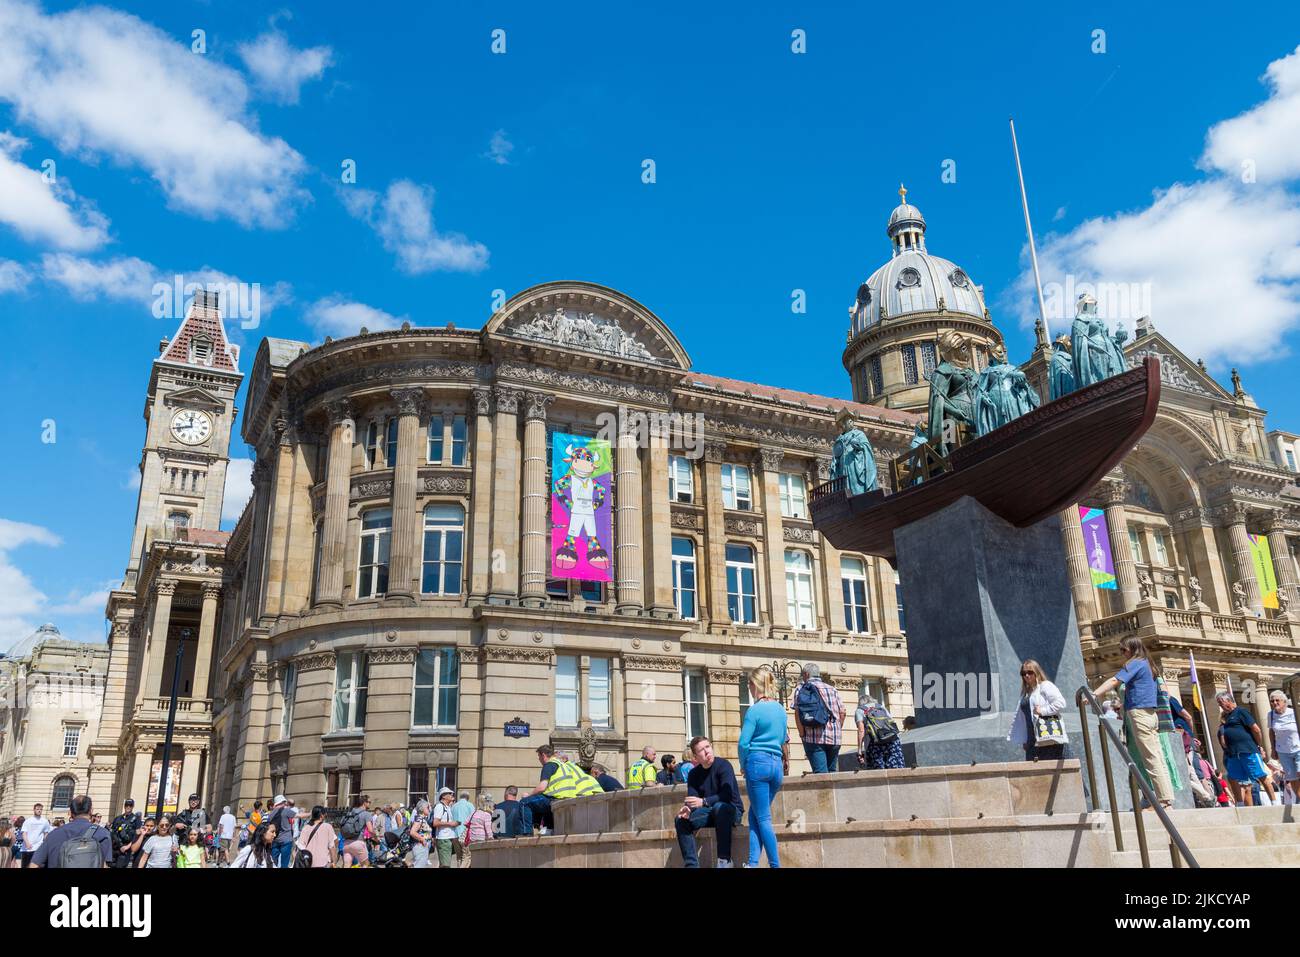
1200 706
1029 231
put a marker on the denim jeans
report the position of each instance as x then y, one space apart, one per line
824 758
720 816
535 809
282 854
762 782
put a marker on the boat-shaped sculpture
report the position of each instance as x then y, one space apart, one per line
1023 472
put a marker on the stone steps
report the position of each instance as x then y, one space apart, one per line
1219 837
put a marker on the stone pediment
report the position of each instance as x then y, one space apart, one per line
194 398
584 317
1176 370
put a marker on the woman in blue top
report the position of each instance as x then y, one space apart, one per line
764 761
1139 682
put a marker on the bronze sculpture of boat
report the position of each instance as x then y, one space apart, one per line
1023 472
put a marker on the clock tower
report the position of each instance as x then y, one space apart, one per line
190 411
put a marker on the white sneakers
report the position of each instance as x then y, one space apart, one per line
723 863
543 831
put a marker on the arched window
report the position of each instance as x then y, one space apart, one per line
444 549
799 590
61 799
372 567
742 597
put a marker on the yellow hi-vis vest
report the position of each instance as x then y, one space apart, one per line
570 781
641 774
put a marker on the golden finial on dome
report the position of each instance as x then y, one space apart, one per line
902 194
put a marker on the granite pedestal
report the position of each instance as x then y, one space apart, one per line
982 596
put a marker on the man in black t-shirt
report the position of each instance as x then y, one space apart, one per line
1243 749
607 781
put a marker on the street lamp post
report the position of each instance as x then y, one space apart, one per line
779 669
171 727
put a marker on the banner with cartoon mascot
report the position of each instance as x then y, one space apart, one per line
582 484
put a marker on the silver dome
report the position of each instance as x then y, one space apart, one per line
915 281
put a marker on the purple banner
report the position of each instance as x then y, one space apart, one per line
1096 545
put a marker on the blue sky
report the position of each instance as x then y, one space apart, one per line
478 171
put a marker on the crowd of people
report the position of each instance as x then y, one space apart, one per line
1157 731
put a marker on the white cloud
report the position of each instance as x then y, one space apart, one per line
500 148
103 83
83 603
132 480
20 600
44 212
239 489
125 278
403 220
1059 215
279 69
1268 136
1216 263
14 277
338 317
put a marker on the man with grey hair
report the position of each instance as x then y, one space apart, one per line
819 716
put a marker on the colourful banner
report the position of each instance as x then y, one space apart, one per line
1096 545
1262 558
582 480
173 787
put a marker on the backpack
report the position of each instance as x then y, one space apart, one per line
880 725
811 707
350 826
304 856
122 832
81 852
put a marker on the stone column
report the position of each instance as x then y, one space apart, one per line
140 771
1121 551
617 715
627 513
338 488
189 782
1076 565
1202 550
1262 709
716 533
481 497
504 567
1234 517
768 465
536 500
254 594
1283 566
658 530
404 558
157 658
281 525
207 628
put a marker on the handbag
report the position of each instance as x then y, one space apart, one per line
304 856
1048 730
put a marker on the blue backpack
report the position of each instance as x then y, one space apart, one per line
811 707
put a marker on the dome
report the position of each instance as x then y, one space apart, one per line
914 281
25 646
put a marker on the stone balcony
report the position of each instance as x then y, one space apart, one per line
154 709
1151 621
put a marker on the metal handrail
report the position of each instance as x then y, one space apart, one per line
1085 699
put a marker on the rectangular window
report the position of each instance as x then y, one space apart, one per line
1290 460
799 590
681 487
417 786
735 487
288 687
435 701
1171 600
1135 543
929 359
444 549
598 692
877 377
372 440
909 364
458 435
697 709
591 591
684 577
1162 549
898 597
794 496
71 740
351 677
566 691
435 439
372 566
745 701
742 603
853 579
390 443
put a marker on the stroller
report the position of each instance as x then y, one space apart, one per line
393 852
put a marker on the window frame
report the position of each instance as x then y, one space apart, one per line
852 609
786 482
443 530
383 536
730 484
357 691
794 605
437 435
681 491
439 689
679 564
702 703
288 691
371 446
72 731
55 803
739 593
576 690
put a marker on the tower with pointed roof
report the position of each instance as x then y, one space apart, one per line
901 311
189 414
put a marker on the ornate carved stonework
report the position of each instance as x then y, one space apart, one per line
583 383
581 330
164 586
482 401
340 410
450 483
1112 491
508 399
823 470
409 401
722 676
683 519
372 488
714 451
314 662
769 460
470 656
844 683
652 663
772 435
259 671
536 405
1172 373
391 656
742 526
409 371
796 533
506 653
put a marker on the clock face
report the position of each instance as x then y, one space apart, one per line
191 426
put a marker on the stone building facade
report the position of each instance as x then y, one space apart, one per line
383 616
51 700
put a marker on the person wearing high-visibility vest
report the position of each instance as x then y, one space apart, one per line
642 773
561 780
